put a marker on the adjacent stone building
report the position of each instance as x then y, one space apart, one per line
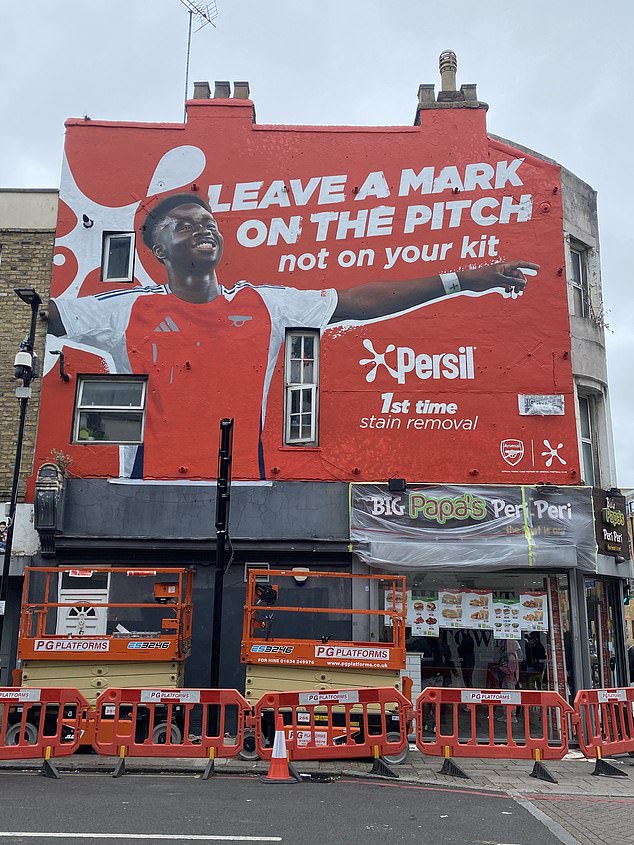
27 233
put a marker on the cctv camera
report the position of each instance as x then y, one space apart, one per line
23 365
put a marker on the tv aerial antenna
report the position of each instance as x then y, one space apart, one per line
204 13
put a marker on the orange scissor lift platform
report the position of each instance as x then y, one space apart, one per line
297 661
92 628
278 663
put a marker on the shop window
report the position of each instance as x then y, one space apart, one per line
468 631
110 410
579 281
117 261
301 378
587 440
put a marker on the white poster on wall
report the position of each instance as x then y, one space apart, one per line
450 606
478 609
534 611
425 611
396 603
506 619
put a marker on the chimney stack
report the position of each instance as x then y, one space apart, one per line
449 97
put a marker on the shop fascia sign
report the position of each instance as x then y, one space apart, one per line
611 526
467 506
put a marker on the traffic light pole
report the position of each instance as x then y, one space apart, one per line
223 495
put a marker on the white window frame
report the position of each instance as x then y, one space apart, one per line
302 388
580 285
129 275
105 409
590 441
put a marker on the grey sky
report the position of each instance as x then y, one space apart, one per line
557 76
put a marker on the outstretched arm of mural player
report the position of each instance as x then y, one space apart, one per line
379 299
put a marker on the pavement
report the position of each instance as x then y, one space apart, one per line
582 809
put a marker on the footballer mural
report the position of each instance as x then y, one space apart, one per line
421 281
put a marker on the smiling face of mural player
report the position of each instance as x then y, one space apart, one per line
187 241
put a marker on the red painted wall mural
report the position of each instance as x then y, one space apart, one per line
429 259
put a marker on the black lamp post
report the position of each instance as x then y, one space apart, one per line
223 495
26 372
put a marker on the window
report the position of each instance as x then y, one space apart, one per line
109 410
587 444
301 375
259 579
117 263
579 282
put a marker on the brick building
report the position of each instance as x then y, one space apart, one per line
27 233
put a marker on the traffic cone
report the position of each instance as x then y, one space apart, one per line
278 770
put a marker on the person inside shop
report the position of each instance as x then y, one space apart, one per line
448 669
509 671
430 674
535 661
570 685
466 655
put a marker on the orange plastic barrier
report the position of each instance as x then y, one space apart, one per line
40 722
512 724
605 723
334 724
170 723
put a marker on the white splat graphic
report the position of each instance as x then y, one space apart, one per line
552 452
378 360
177 167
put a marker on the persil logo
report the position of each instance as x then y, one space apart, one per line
401 360
351 653
148 644
272 649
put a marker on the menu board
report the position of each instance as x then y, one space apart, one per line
450 608
507 616
534 611
507 623
398 603
478 609
425 615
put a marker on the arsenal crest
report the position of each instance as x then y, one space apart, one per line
512 450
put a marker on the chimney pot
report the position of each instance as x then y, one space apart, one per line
470 93
222 90
426 95
448 64
241 90
202 91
